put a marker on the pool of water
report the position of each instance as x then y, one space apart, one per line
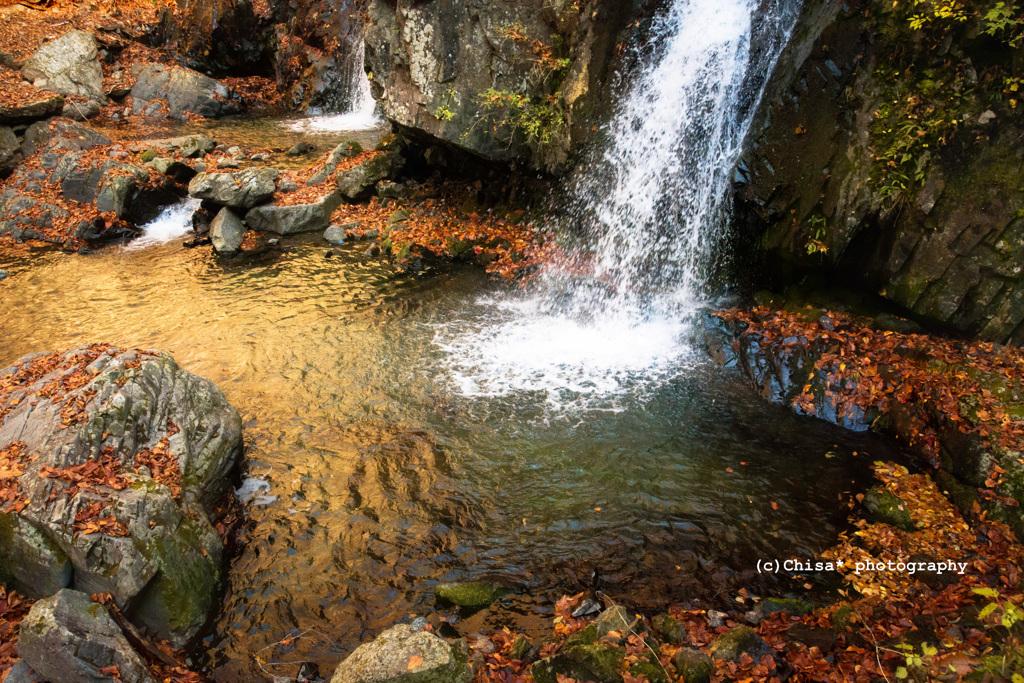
386 476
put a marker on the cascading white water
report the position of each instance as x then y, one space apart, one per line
361 112
173 222
648 214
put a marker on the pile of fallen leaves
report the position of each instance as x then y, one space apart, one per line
875 370
13 609
13 462
105 472
438 225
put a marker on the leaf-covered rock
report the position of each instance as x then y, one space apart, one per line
112 462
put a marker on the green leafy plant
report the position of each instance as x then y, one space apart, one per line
1008 613
539 120
817 228
912 659
937 11
1001 22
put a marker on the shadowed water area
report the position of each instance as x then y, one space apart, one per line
388 479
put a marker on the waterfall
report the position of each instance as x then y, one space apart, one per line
653 206
645 219
360 109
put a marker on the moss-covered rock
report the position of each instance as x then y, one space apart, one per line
669 629
693 666
888 508
738 641
471 594
653 671
598 663
791 606
164 571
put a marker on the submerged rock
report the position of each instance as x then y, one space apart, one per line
471 594
392 657
69 65
169 441
71 639
227 232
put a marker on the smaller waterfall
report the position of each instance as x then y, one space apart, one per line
361 112
173 222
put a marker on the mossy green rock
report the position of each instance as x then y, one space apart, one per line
790 606
654 673
400 216
598 663
694 666
888 508
741 640
392 142
471 594
668 629
147 156
520 648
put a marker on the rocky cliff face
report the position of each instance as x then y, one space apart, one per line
512 82
890 156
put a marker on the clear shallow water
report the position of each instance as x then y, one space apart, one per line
390 477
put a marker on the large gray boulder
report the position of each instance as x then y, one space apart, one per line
359 181
390 659
71 639
165 443
227 232
69 65
292 220
174 91
240 190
